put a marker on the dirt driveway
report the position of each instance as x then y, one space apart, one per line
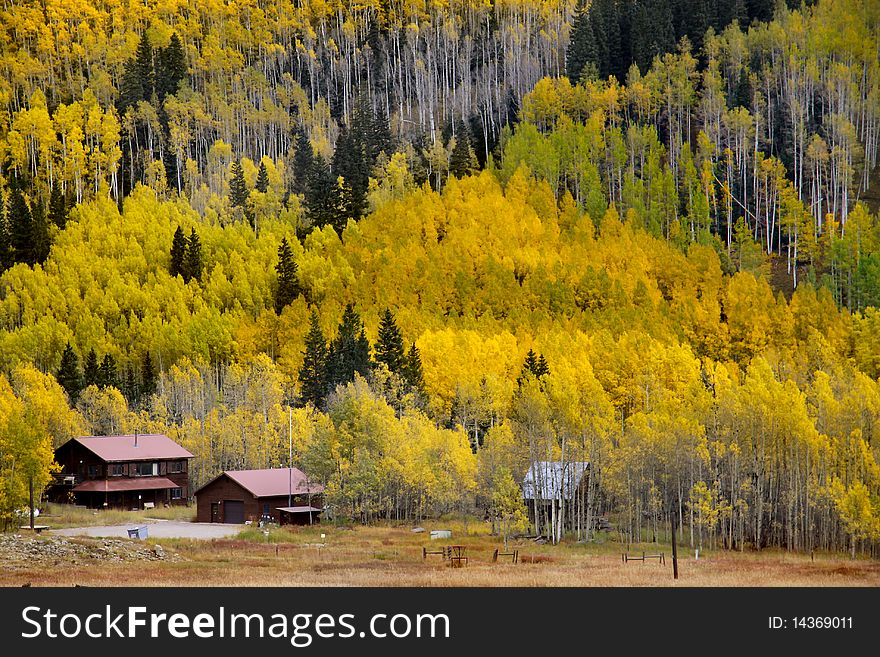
156 529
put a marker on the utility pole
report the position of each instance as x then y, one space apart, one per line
674 548
289 456
31 496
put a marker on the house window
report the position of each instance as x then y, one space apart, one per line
146 469
117 469
265 509
175 466
176 493
94 471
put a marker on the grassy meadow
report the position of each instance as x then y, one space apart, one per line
384 555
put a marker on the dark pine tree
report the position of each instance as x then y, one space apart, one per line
138 80
68 375
461 160
581 54
322 196
534 366
303 163
313 373
350 163
149 378
605 20
529 366
130 388
542 368
412 372
91 370
21 228
238 190
178 254
108 377
389 345
288 283
380 139
193 258
262 184
760 10
57 207
170 68
40 227
349 352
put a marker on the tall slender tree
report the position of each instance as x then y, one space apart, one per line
313 373
68 375
149 377
303 162
21 228
412 371
108 376
288 283
91 370
238 189
178 254
57 207
389 345
170 69
349 352
193 259
262 184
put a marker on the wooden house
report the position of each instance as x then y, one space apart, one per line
282 495
126 472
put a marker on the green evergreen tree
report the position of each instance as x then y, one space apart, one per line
40 227
462 161
313 373
138 80
350 162
535 365
380 139
178 255
412 372
349 352
130 388
91 370
149 378
21 228
262 184
238 189
193 257
541 369
107 373
288 283
303 163
57 207
68 375
322 196
389 345
581 53
171 68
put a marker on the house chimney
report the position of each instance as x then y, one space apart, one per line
135 439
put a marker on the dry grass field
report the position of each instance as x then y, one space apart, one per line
392 556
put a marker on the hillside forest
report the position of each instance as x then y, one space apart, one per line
435 242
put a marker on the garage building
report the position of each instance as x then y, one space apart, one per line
283 494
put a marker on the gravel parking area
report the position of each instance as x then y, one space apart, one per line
156 529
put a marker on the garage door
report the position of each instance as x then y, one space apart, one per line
233 512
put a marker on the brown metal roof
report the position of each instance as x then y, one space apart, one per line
140 447
273 482
299 509
116 485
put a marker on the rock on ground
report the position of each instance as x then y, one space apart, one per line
54 550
